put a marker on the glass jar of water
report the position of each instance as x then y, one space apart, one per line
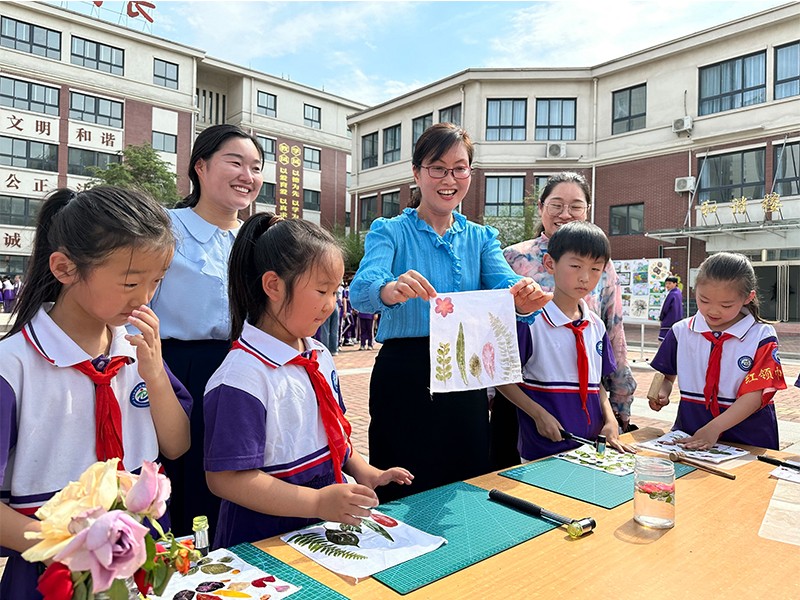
654 492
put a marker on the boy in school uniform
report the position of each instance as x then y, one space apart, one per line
565 352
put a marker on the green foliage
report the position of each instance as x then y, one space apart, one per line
460 353
512 230
318 543
444 370
353 246
506 346
141 168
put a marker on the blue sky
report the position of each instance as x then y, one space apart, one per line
373 51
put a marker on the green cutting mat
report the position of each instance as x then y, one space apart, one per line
474 527
310 589
580 482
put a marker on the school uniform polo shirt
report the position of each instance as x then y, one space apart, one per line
262 413
47 423
749 362
550 377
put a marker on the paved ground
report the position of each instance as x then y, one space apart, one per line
354 367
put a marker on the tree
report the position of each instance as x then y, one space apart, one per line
353 246
140 168
512 230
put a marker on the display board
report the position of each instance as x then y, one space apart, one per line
643 291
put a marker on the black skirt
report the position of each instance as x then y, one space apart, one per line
440 438
193 363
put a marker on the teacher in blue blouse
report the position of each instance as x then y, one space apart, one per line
429 248
192 303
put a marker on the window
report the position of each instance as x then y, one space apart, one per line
539 182
92 109
310 199
267 104
266 195
391 204
787 71
80 161
451 114
30 38
311 158
19 211
505 119
733 84
28 154
733 175
630 109
504 196
268 145
28 96
627 219
165 142
787 169
419 125
212 106
555 119
99 57
312 116
165 73
391 144
369 212
369 150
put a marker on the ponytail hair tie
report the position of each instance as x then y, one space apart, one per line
274 219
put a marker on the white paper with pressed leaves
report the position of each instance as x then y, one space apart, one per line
359 551
473 341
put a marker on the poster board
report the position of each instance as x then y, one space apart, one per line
643 291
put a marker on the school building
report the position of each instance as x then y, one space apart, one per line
75 90
691 147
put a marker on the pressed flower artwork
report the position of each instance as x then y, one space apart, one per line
473 341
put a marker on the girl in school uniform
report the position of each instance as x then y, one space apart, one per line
726 358
75 386
277 442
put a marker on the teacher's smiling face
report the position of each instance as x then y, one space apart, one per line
566 202
440 196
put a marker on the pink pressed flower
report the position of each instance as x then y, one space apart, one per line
148 496
112 547
444 306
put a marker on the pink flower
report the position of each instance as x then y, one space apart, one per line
444 306
148 496
112 547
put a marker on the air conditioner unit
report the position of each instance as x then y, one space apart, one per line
556 150
684 184
682 124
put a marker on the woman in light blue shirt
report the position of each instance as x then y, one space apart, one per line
429 248
192 304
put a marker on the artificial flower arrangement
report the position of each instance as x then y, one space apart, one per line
94 532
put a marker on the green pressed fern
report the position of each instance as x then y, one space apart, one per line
318 543
444 370
506 343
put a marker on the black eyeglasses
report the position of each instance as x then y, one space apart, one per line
441 172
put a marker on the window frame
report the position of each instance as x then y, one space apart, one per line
630 121
791 80
26 218
88 53
514 208
309 155
728 99
628 219
446 114
24 101
311 200
25 160
309 112
544 127
14 42
263 194
369 160
97 117
169 142
165 80
419 125
780 180
265 108
364 220
266 143
82 169
724 193
392 142
518 132
390 204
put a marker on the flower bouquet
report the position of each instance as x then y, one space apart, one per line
94 532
